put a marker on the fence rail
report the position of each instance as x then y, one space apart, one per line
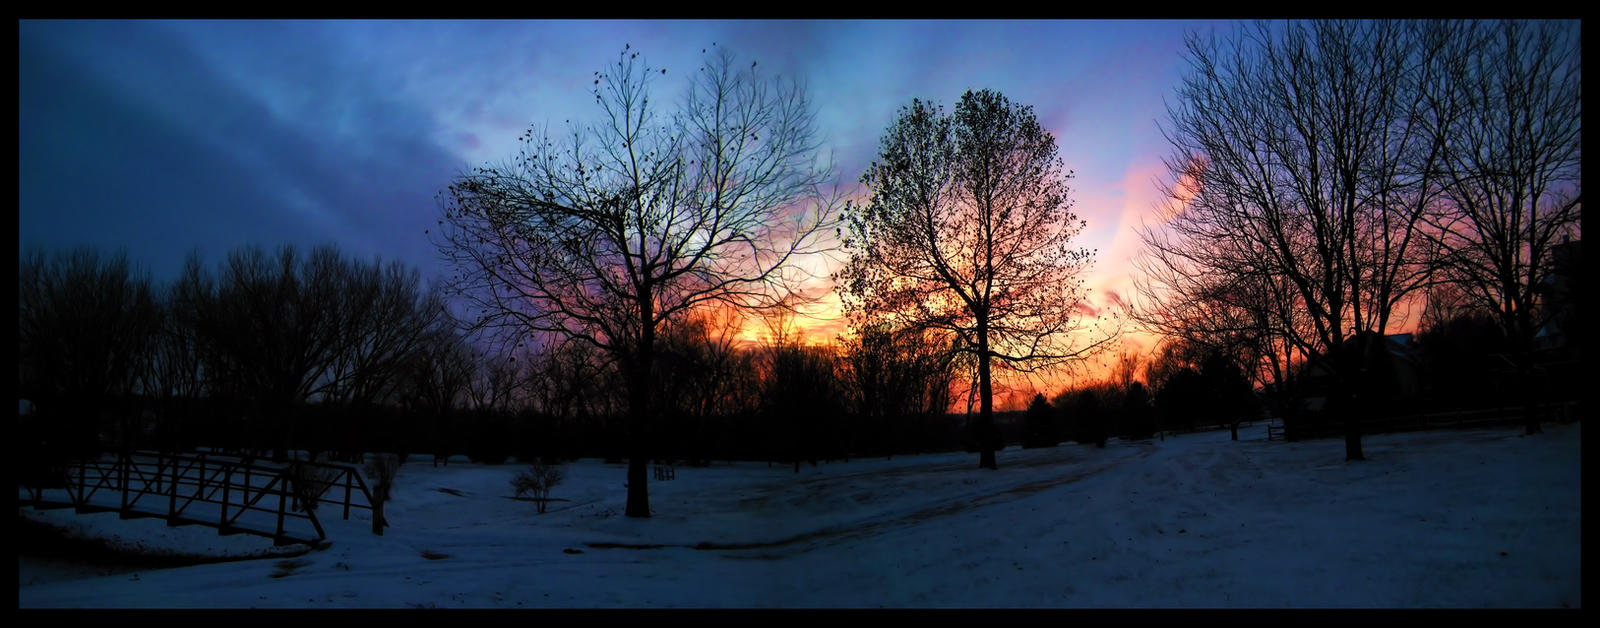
1559 412
234 495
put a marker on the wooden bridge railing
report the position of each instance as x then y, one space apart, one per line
235 486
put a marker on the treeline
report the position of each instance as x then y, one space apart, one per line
265 353
321 354
879 392
1458 362
1190 387
1329 176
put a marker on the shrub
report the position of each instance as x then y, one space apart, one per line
1040 425
307 483
1086 417
1138 418
538 479
382 470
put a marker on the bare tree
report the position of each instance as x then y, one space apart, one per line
565 379
704 375
273 333
440 372
1252 317
385 316
176 376
86 324
1306 156
1126 369
276 332
435 384
800 401
1514 168
602 236
381 469
728 385
968 231
894 379
494 383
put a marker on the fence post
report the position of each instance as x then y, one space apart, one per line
227 483
347 474
172 493
80 500
122 478
283 489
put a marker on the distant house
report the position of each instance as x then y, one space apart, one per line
1392 370
1558 337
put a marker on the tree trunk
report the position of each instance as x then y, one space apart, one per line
638 496
987 433
1351 410
1349 382
638 461
1352 438
1525 373
639 412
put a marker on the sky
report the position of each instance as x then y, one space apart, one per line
1474 518
165 137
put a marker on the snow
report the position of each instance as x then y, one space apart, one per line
1451 518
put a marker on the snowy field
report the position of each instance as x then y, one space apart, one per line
1453 519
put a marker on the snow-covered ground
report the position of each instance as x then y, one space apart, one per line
1461 519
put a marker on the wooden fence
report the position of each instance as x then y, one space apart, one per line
232 494
1557 412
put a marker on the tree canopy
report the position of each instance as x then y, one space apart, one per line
969 231
606 233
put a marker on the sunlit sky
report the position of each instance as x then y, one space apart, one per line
161 137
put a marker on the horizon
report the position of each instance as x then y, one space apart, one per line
165 137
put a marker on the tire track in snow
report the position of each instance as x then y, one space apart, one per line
899 520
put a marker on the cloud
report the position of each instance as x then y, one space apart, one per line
1114 299
211 161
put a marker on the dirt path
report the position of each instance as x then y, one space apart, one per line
950 503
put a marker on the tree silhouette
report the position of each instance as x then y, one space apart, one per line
703 376
1514 172
801 404
1305 160
436 381
968 232
1040 427
895 380
276 332
86 326
602 236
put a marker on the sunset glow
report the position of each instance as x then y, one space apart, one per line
162 137
721 313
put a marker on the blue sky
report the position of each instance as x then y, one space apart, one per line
161 137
